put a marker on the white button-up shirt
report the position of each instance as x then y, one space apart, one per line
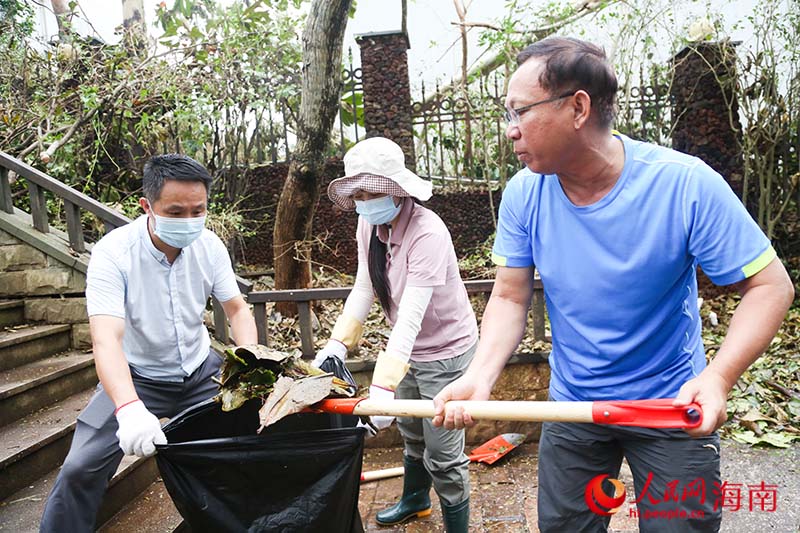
162 303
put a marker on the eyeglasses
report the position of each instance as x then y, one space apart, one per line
512 116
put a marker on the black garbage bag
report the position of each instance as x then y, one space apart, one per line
336 366
298 475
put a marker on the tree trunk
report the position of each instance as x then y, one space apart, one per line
134 24
62 12
461 10
404 16
323 37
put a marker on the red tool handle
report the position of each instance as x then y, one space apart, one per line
647 413
338 406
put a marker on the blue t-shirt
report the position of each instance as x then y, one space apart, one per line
619 275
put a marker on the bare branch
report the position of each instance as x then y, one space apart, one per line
498 58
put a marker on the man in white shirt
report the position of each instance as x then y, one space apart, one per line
146 291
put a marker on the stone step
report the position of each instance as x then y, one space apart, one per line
23 345
30 387
152 512
21 512
36 444
12 313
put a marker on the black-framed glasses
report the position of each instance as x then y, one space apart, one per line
512 116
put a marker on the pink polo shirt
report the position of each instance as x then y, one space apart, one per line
422 255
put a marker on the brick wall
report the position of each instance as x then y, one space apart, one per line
704 107
387 92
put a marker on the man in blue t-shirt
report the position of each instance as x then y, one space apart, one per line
616 229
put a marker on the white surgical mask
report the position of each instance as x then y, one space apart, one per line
378 210
179 232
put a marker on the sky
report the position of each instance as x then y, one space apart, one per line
430 30
435 51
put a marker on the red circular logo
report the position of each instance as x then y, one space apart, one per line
598 501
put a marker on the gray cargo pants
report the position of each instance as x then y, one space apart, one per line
95 454
440 449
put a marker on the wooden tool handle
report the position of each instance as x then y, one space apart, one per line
644 413
479 410
375 475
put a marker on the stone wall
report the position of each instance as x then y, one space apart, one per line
387 92
25 271
466 213
28 274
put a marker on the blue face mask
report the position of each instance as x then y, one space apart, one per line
179 232
378 211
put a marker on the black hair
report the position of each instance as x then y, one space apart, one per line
572 65
179 167
377 270
376 260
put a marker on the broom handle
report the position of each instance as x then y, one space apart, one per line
643 413
375 475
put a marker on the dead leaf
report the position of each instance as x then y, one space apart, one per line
261 352
291 396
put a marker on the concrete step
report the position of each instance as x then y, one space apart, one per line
23 345
36 444
12 313
133 476
21 512
30 387
152 512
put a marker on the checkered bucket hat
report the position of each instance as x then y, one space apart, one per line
376 165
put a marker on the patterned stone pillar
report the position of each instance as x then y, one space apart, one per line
387 92
705 105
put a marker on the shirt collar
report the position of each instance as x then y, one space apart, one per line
144 234
399 229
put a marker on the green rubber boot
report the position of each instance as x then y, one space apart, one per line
456 517
416 501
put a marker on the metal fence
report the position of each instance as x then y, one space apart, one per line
645 113
459 133
461 136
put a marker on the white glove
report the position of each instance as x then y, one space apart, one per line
139 430
379 393
335 348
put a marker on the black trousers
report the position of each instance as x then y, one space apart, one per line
675 478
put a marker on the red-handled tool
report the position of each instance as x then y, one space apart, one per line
489 453
643 413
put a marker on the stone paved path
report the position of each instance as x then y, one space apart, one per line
503 497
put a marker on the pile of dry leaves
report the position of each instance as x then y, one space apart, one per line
283 381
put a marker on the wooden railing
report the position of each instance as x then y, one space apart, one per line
304 297
74 201
38 182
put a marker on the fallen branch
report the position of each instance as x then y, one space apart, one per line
783 390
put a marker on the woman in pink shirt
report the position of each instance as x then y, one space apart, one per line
406 259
